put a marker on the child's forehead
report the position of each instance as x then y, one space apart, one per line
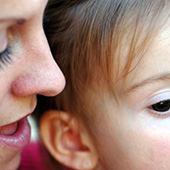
152 60
155 62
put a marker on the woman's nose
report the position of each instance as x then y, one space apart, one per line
41 74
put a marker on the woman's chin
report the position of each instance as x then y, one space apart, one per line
12 163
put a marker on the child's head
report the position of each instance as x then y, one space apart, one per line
115 108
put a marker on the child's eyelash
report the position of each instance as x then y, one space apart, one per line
5 56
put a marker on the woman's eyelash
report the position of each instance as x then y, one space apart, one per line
5 56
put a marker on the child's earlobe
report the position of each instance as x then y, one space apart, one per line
68 141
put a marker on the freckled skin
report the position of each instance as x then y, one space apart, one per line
32 69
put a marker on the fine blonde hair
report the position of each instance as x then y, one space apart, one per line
88 39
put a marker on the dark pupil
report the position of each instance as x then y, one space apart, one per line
162 106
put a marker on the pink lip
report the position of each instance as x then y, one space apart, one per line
19 139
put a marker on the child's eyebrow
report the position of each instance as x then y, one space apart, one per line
160 77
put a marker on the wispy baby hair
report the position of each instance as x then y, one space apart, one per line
96 41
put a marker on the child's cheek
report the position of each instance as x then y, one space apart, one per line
159 152
162 149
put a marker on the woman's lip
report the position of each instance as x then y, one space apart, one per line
18 140
9 129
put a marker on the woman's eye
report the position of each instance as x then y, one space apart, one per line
5 56
162 106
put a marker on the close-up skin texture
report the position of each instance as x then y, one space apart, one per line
27 68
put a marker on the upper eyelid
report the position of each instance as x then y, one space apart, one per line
159 97
140 102
3 40
10 24
8 33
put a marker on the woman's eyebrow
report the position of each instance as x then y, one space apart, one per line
150 80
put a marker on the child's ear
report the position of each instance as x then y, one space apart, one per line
67 140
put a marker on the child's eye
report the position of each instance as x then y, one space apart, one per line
162 106
5 56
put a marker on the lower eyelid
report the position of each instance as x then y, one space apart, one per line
158 115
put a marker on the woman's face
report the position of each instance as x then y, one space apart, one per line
27 68
134 133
